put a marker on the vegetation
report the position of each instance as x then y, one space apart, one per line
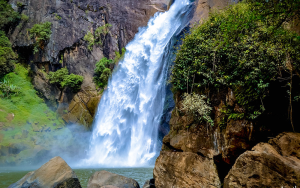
7 15
237 49
198 106
24 17
41 33
104 68
96 38
7 55
7 89
63 79
102 71
26 105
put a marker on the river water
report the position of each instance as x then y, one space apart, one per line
10 176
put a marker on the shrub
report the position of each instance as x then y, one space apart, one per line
7 55
63 79
101 68
7 14
41 33
58 76
24 17
197 106
73 81
96 39
7 89
235 49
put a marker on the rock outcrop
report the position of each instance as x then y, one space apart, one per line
54 174
272 164
149 184
104 179
71 21
185 169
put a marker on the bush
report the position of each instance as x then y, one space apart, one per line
41 33
7 55
197 106
73 81
96 39
235 49
7 14
24 17
58 76
7 89
102 67
63 79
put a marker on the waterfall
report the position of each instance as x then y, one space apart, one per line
125 130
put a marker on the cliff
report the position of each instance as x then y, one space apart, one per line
71 21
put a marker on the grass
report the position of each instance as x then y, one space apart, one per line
31 115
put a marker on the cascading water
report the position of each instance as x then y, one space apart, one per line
125 129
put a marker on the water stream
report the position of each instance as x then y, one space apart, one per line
125 130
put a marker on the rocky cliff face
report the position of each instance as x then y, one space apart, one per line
71 20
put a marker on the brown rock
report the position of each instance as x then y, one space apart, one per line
104 179
273 164
56 173
185 169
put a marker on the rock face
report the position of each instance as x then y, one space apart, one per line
54 174
185 169
71 21
149 184
273 164
104 179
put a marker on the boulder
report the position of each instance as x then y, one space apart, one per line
185 169
273 164
104 179
56 173
149 184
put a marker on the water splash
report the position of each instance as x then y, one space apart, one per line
125 130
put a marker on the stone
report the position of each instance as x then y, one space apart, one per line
56 173
185 169
149 184
105 179
273 164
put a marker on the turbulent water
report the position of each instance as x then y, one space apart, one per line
125 131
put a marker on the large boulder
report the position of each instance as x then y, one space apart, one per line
104 179
273 164
56 173
185 169
149 184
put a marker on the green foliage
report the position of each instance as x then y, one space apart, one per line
119 56
89 37
93 39
19 4
102 71
198 106
7 89
26 106
63 79
235 49
73 81
58 76
41 33
57 16
275 12
7 55
24 17
7 14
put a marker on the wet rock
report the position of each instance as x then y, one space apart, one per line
149 184
104 179
185 169
54 174
273 164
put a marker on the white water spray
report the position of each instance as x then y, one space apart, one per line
126 124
